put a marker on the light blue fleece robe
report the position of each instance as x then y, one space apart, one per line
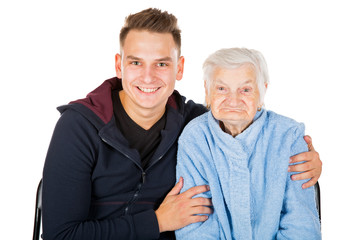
252 194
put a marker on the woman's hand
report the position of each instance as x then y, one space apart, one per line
311 168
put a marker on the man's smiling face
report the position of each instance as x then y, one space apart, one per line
148 66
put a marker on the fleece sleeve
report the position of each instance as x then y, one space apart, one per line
189 166
299 218
67 189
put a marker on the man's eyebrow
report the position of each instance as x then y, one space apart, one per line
164 59
131 57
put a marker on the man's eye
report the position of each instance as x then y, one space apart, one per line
135 63
162 64
221 88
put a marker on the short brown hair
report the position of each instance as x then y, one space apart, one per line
152 20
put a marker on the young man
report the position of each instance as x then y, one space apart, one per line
111 162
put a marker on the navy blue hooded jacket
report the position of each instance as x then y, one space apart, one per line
94 185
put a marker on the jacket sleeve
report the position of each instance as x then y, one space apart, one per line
189 166
67 189
299 218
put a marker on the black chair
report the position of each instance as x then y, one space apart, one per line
38 207
317 199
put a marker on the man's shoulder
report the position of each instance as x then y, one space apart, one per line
192 109
195 109
76 112
97 106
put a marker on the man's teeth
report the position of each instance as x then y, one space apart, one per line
148 90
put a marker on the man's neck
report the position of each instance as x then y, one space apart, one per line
145 118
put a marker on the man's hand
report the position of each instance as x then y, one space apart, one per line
311 168
178 210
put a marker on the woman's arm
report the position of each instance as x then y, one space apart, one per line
299 218
189 168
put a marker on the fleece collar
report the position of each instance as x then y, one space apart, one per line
99 101
242 143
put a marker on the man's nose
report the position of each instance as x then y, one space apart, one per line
148 74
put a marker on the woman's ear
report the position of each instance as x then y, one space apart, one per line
262 103
207 95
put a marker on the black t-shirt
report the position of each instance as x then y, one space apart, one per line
144 141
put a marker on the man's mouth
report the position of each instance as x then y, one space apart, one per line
148 90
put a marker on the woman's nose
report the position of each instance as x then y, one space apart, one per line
234 99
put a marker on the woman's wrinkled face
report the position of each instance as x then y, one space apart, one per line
234 96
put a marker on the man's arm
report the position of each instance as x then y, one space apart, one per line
178 210
67 189
311 166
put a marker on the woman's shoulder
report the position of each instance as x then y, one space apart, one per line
281 126
284 131
278 120
196 126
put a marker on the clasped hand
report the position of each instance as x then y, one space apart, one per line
179 210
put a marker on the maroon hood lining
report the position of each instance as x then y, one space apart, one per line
100 102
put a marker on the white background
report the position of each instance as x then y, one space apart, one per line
52 52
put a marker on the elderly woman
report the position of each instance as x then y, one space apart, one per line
242 151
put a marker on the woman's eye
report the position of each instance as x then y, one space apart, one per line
221 88
247 89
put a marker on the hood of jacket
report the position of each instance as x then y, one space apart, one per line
99 106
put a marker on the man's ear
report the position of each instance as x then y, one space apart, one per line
118 65
180 68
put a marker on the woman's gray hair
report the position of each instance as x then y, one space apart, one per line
230 58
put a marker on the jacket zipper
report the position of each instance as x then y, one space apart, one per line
159 158
143 174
